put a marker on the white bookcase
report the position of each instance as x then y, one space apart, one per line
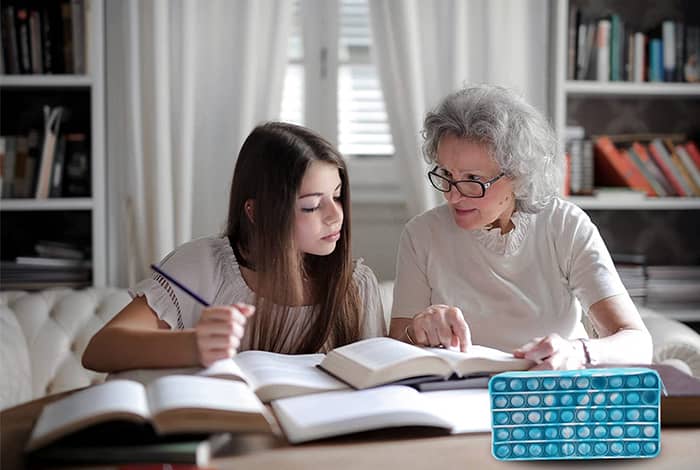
74 212
644 107
564 92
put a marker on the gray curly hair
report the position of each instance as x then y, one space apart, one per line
520 139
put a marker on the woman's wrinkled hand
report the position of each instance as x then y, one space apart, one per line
219 331
440 325
552 352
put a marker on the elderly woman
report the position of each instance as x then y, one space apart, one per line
505 262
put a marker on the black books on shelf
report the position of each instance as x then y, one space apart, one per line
43 37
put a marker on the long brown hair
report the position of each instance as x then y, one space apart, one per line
269 170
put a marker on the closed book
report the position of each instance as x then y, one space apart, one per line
656 70
689 182
613 168
35 36
691 171
652 168
655 186
378 361
23 39
638 72
694 152
668 38
657 149
106 445
603 50
9 40
52 122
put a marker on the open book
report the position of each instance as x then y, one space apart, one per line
172 404
270 375
324 415
378 361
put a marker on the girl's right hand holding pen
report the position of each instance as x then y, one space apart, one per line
219 331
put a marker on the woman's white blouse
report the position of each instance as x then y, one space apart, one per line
208 267
535 280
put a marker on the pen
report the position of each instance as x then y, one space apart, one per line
180 285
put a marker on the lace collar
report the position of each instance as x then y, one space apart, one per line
505 244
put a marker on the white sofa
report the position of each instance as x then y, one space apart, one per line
43 336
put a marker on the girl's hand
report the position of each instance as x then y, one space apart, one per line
219 331
553 352
440 325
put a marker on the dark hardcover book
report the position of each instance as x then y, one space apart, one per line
56 183
76 172
52 25
24 44
9 41
124 443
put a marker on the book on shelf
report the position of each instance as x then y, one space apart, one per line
331 414
106 445
658 151
688 181
649 175
53 262
52 123
614 168
663 187
169 405
378 361
269 375
692 149
58 249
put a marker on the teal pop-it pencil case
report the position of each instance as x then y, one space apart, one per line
581 414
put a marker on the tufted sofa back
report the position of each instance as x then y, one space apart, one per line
43 336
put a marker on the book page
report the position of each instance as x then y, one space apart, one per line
274 375
182 391
115 399
481 359
342 412
469 410
377 353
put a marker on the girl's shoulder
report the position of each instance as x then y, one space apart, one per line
208 256
363 274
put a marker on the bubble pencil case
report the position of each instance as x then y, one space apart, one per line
581 414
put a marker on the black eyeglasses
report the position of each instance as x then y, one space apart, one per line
467 188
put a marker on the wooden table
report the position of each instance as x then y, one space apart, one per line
680 449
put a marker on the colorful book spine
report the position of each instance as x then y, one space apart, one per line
663 160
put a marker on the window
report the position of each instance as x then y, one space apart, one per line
332 85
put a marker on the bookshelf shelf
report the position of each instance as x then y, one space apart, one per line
594 88
54 204
48 81
621 203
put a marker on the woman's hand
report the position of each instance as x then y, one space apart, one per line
440 325
553 352
219 331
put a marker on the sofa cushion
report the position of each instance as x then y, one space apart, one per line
57 326
15 368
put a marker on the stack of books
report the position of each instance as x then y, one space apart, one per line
56 264
673 287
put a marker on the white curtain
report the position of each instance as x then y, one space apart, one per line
187 81
427 49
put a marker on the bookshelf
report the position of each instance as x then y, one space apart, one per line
67 216
663 229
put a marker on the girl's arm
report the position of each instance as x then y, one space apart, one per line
136 339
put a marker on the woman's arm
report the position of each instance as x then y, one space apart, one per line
623 340
136 338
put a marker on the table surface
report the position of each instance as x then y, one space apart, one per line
680 449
